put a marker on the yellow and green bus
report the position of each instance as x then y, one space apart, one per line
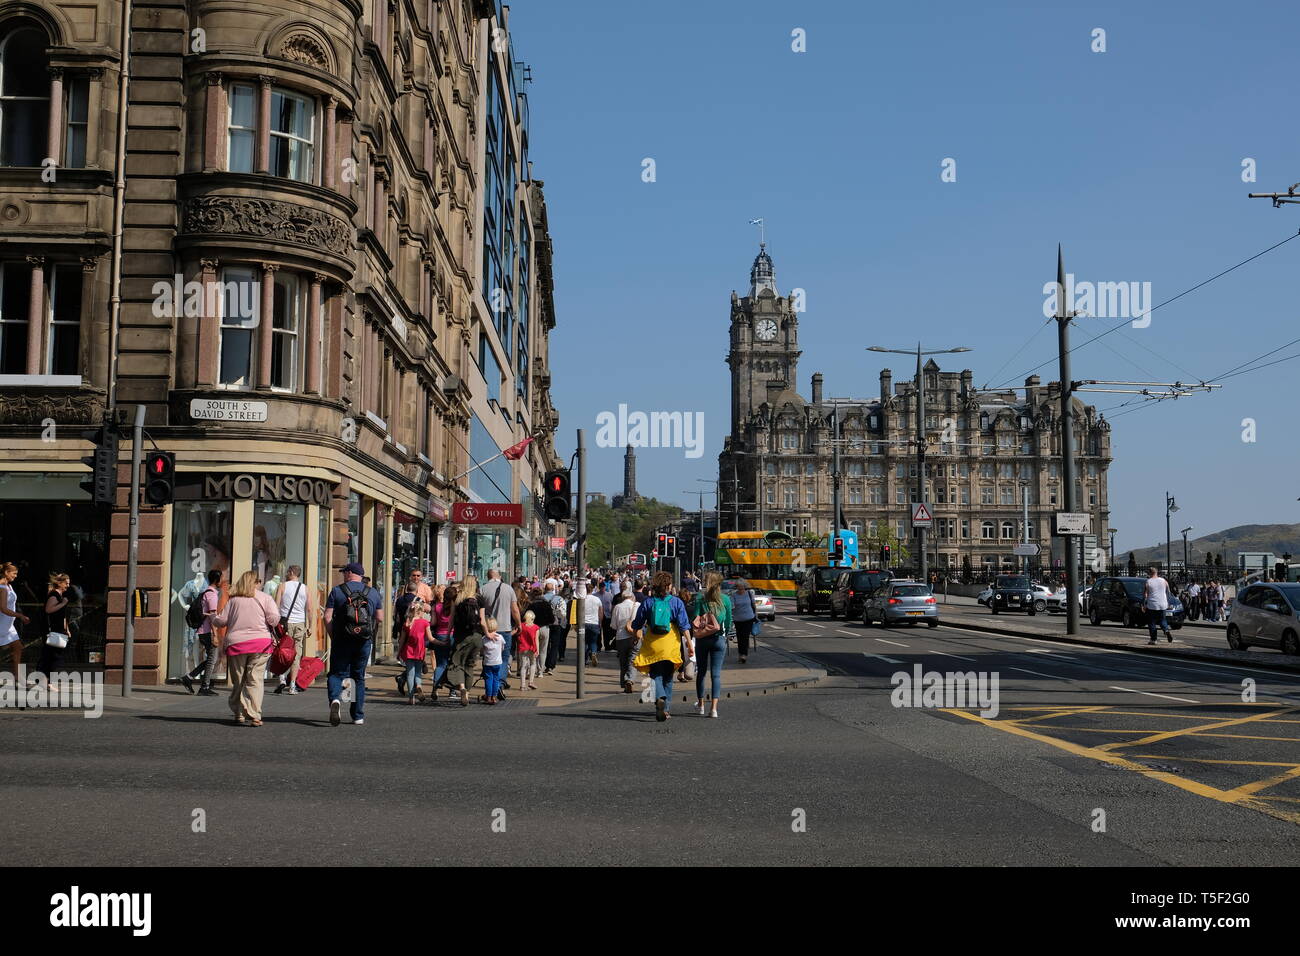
769 560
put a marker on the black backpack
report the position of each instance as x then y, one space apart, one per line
358 619
194 613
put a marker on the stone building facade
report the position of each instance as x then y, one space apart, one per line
326 316
985 450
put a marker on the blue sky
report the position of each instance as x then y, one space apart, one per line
1130 158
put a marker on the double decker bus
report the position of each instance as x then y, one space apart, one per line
771 560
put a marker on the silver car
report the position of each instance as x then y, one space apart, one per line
1267 615
764 609
900 602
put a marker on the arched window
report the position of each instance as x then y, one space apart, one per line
24 94
1008 531
988 530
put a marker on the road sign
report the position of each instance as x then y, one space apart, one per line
1025 550
921 517
1071 522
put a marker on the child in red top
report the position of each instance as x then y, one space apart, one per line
528 651
412 652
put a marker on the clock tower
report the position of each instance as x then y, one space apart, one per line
764 342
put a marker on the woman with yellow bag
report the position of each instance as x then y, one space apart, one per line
665 627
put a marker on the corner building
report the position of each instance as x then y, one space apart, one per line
985 450
305 290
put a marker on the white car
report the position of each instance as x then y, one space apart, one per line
763 606
985 596
1057 600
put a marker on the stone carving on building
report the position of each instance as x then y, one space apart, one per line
304 49
78 409
268 219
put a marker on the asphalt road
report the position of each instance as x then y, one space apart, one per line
1184 770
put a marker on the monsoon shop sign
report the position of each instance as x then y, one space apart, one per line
286 489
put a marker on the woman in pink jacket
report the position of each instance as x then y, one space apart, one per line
249 617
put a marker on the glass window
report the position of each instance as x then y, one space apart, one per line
24 97
15 292
76 110
1008 530
288 306
241 134
293 121
200 543
965 496
279 540
965 527
988 530
354 528
65 321
239 304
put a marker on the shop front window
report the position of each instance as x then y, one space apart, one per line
377 567
487 550
406 553
201 532
279 541
354 527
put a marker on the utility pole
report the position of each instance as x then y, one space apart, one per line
835 478
579 547
1063 317
133 553
1170 507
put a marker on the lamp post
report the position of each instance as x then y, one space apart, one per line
1184 534
1170 507
920 430
1112 532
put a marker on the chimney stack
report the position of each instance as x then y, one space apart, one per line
886 383
817 388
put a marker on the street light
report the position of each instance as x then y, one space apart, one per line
1170 507
1112 532
1184 534
920 429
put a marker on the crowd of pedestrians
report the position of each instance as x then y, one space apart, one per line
508 636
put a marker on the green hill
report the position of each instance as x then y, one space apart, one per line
1277 538
625 529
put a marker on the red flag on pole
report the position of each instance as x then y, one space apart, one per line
515 452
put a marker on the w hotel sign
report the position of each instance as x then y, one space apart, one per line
470 512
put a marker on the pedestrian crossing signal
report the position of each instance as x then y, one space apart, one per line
555 501
160 478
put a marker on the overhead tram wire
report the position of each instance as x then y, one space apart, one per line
1260 358
1198 285
1028 342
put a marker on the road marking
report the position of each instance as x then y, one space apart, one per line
811 624
1038 673
1185 700
1095 753
1170 734
887 660
946 654
1042 650
895 643
844 630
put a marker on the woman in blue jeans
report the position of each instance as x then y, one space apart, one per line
712 650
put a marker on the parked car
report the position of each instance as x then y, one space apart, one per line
900 601
1013 592
814 591
1267 615
985 596
1121 599
852 588
764 608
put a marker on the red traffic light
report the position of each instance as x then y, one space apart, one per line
557 483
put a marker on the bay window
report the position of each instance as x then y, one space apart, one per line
293 125
241 128
239 307
289 308
77 114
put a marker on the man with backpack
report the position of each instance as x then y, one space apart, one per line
353 611
198 617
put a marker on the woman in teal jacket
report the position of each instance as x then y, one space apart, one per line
711 651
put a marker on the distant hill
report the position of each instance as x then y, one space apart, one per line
1277 538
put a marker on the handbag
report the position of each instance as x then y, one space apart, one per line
705 625
687 670
756 629
55 639
284 653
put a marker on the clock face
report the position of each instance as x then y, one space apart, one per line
766 330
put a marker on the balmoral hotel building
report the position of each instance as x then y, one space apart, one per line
333 266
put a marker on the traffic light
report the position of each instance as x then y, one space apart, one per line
837 553
661 545
884 555
670 549
160 477
101 483
556 503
